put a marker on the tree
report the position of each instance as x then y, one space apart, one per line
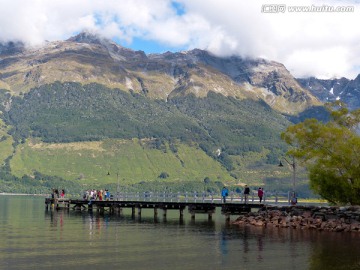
206 180
330 152
164 175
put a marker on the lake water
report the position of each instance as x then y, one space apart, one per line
33 238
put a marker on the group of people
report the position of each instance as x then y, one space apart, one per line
97 195
55 194
260 193
100 195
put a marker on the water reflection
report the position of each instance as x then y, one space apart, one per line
33 239
335 251
297 249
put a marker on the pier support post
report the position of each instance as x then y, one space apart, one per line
133 212
164 212
227 217
155 212
67 206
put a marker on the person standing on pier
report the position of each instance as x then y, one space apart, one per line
246 193
260 194
224 194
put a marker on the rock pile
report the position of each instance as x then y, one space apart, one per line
335 219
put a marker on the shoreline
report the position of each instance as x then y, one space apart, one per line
331 218
23 194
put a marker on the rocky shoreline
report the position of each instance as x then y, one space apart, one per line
335 219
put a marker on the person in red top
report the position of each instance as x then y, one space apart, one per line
260 194
100 195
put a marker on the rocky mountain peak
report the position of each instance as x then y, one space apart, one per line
88 37
11 47
331 90
116 51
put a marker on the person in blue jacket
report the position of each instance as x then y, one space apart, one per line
224 194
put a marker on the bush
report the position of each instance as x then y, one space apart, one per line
163 175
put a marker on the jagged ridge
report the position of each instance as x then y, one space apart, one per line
88 58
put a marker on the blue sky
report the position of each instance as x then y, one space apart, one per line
148 46
321 44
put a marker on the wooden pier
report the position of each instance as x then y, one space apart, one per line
116 206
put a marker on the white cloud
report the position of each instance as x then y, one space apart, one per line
320 62
321 44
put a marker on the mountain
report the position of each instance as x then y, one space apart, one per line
87 58
72 110
331 90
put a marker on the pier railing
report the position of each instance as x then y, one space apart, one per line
206 197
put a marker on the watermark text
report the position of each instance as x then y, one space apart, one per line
282 8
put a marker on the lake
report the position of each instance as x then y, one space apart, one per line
33 238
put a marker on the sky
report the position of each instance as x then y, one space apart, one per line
323 41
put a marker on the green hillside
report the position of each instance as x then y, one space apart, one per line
6 141
89 162
72 134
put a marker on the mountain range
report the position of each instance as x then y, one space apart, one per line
188 116
88 58
346 90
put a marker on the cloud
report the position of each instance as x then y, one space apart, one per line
322 44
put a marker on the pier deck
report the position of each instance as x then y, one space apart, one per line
116 206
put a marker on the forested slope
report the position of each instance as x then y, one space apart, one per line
232 133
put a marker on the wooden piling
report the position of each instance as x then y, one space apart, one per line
133 211
155 212
227 217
